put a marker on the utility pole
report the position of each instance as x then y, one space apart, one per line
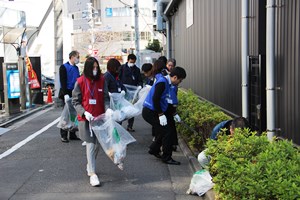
136 30
91 23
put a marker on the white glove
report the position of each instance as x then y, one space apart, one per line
163 120
139 87
109 94
177 118
123 93
66 97
88 116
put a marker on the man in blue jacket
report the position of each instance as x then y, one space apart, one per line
130 74
154 112
68 74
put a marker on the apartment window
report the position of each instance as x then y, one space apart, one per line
121 12
145 36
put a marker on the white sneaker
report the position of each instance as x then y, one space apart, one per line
94 181
84 143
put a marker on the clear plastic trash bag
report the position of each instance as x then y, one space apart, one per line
141 98
200 183
68 118
112 137
122 108
132 93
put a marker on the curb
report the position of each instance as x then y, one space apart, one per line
209 195
24 114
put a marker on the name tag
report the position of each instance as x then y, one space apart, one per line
169 101
92 101
99 90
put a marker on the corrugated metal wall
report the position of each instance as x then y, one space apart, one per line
210 51
287 64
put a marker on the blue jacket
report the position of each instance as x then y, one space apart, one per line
218 128
148 103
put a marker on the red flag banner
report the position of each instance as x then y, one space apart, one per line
34 82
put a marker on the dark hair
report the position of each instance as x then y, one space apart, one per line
179 72
158 66
88 68
240 122
113 65
131 57
73 53
163 59
146 67
172 60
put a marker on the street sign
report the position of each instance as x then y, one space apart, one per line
95 52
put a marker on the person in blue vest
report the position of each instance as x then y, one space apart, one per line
154 112
229 126
111 77
130 74
147 71
68 74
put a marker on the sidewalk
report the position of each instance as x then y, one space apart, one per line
144 176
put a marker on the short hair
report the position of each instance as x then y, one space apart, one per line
179 72
163 59
146 67
88 68
131 57
113 64
240 122
172 60
158 66
73 53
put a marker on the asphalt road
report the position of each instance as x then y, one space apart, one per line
35 164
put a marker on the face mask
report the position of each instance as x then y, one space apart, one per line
76 61
130 64
95 72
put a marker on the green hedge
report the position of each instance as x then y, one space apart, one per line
246 166
199 118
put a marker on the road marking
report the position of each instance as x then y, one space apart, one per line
3 130
29 138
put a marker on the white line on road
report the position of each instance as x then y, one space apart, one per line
29 138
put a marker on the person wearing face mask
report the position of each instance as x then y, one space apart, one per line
90 99
130 74
68 73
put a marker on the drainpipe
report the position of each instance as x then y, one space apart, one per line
245 53
169 39
270 68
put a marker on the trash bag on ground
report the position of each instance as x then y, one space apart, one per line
68 118
132 93
122 108
112 137
141 98
200 183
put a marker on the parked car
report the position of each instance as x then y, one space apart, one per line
46 82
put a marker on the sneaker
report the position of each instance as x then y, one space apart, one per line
130 129
65 140
94 180
84 143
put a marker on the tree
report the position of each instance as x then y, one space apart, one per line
154 45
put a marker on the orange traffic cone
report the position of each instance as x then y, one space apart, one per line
49 99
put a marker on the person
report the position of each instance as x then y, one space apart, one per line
68 73
147 71
130 74
154 109
90 99
111 76
229 126
170 64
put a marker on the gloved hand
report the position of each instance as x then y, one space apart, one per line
109 112
109 94
88 116
123 92
139 87
177 118
163 120
66 97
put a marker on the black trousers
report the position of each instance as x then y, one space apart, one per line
172 125
162 134
130 122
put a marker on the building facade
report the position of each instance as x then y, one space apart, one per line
206 41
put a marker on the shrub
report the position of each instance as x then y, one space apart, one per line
199 118
246 166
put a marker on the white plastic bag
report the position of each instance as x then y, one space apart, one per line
122 108
200 183
112 137
132 93
68 118
141 98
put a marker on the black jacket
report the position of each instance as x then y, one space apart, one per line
130 75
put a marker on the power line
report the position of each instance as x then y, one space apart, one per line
127 5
